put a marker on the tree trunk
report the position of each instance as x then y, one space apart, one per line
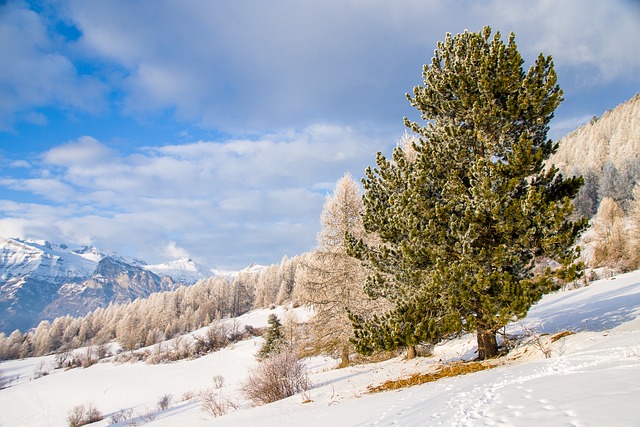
411 352
487 344
344 362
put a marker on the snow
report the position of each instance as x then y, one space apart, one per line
184 270
51 261
42 259
592 378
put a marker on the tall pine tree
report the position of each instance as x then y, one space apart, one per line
466 220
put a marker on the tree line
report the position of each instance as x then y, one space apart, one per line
159 317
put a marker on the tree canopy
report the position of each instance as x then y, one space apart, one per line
465 221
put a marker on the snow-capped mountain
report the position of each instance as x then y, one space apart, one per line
184 270
41 259
40 280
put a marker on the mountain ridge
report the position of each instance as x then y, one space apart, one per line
40 280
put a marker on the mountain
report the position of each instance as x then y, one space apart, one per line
184 270
40 280
113 281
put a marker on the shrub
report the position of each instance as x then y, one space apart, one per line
121 416
215 338
75 417
79 415
277 377
42 370
218 382
164 402
214 403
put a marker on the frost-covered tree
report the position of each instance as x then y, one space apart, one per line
586 201
612 184
42 339
612 243
332 281
463 224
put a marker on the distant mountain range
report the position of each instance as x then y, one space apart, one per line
40 280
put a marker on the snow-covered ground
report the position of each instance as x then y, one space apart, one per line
592 378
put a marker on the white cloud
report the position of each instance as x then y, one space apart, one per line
52 189
174 252
85 152
222 202
249 66
591 40
20 164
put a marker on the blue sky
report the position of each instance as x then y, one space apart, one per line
215 129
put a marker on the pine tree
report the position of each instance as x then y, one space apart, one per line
464 224
274 339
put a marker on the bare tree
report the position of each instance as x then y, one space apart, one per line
611 240
331 279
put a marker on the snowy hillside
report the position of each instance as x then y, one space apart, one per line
592 378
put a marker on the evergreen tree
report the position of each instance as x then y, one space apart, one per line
274 339
463 224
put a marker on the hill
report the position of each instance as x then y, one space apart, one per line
591 377
615 136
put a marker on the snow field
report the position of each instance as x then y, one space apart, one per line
592 378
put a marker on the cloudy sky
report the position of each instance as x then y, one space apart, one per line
215 129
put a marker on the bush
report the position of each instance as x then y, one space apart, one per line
121 416
79 415
277 377
215 338
164 402
75 417
214 403
42 370
218 382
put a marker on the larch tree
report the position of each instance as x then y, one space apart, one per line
612 242
331 280
464 225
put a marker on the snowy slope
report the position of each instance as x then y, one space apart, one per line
184 270
44 260
591 379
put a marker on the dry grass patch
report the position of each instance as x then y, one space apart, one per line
446 371
561 335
